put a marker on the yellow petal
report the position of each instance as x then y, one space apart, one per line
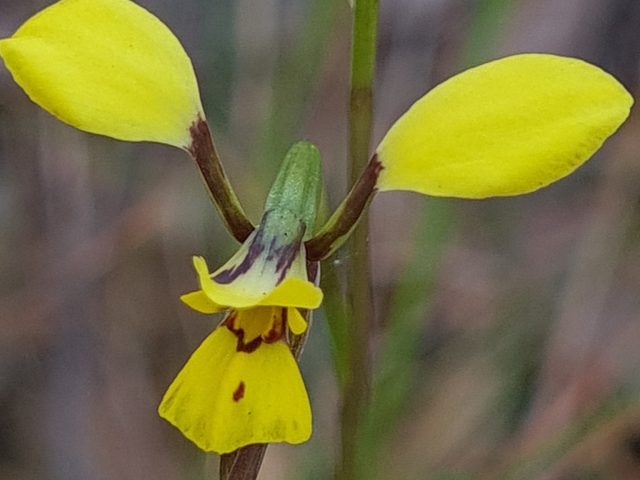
504 128
201 303
201 267
225 294
291 292
294 292
295 320
108 67
223 399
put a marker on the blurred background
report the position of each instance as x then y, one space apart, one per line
507 331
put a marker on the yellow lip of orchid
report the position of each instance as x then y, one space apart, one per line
228 396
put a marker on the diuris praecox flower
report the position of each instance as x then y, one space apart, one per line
507 127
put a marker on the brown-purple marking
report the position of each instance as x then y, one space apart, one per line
204 153
250 347
287 255
277 330
346 217
271 336
254 251
283 254
239 393
313 268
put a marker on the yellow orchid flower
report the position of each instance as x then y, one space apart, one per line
242 385
507 127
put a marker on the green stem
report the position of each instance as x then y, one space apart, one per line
356 388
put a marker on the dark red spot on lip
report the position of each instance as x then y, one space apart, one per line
277 330
239 393
252 346
274 334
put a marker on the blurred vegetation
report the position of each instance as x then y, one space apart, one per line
507 330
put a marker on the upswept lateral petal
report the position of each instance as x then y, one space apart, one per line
200 302
506 127
108 67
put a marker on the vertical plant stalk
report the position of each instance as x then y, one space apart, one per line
357 382
203 151
243 464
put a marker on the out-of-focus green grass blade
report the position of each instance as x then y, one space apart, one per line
452 476
397 372
485 30
534 466
295 81
336 313
220 61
